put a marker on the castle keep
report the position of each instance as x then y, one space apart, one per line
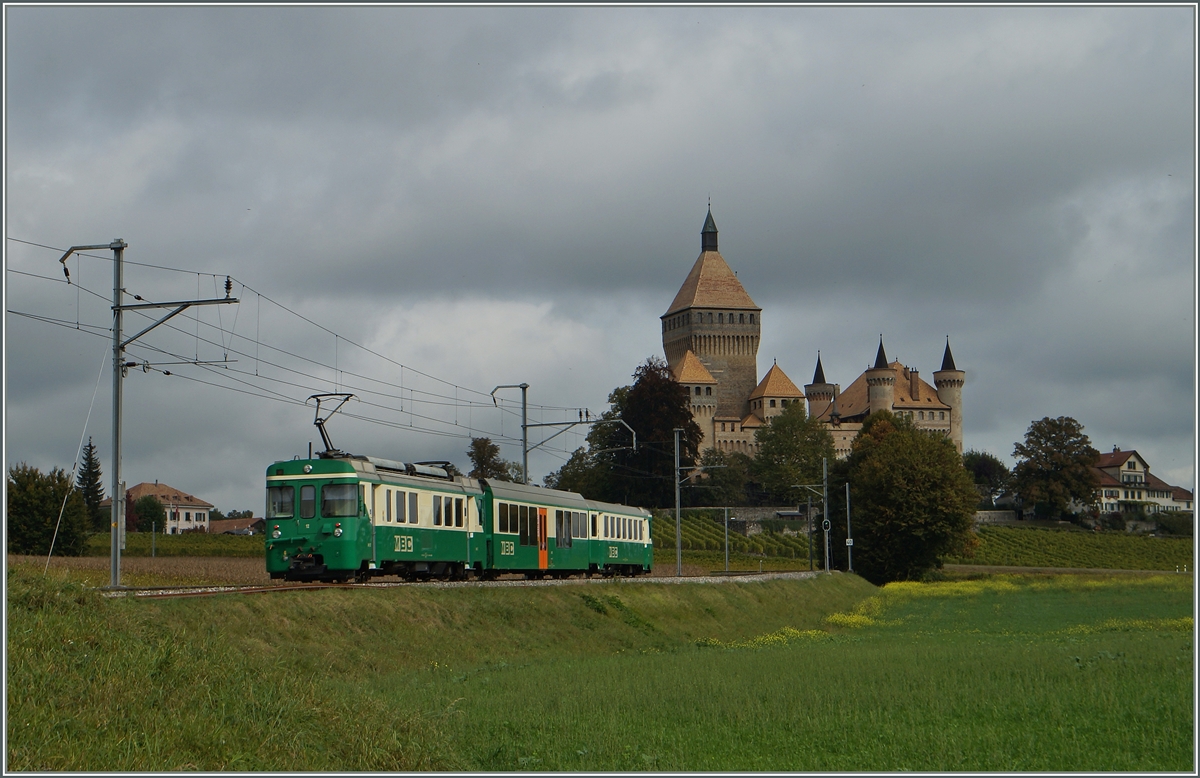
710 337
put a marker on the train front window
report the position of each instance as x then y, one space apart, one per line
339 500
281 502
308 502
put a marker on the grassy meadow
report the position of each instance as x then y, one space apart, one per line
997 673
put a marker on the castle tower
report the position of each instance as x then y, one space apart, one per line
949 382
714 318
881 383
820 393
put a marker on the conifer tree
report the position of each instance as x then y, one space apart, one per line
91 487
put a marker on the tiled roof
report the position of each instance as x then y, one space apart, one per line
167 495
711 284
853 401
1115 458
218 526
692 371
776 384
1104 479
1154 482
1179 493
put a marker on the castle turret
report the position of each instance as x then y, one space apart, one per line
881 383
949 382
820 393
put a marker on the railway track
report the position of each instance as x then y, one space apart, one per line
163 592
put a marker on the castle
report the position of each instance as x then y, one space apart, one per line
710 337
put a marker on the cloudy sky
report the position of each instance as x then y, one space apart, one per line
419 204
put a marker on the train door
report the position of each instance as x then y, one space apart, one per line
543 548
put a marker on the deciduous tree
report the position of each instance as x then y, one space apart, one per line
486 461
790 449
1054 466
150 513
912 500
723 482
988 472
34 502
654 406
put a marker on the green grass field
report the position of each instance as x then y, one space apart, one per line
1006 673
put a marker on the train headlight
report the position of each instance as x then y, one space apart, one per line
337 530
275 533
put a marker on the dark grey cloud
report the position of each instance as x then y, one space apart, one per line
493 195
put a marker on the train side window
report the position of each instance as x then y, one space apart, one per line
388 506
412 507
558 529
437 510
593 525
400 517
281 502
502 509
458 511
308 502
523 522
339 500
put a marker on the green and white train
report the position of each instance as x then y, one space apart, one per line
339 516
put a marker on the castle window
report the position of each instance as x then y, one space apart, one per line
772 403
710 318
708 390
922 415
720 318
697 391
751 318
941 415
741 318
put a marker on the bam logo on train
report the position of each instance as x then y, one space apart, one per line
340 516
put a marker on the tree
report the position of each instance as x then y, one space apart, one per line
790 449
912 500
1055 466
34 502
990 474
149 514
723 482
91 488
654 407
486 461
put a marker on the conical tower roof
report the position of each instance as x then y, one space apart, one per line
881 360
948 358
819 375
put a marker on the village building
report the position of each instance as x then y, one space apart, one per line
184 511
1126 485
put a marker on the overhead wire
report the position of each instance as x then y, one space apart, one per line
502 405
